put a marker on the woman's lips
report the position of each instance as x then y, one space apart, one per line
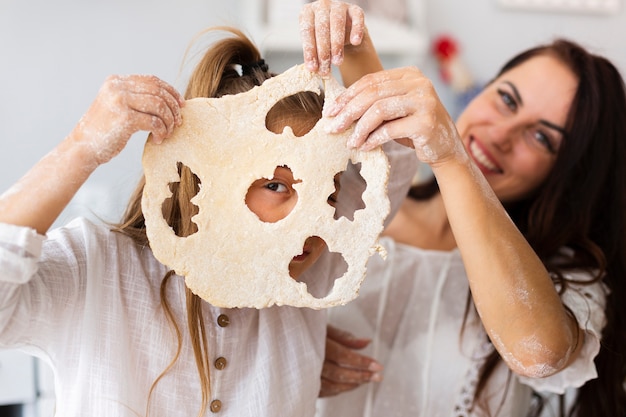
482 158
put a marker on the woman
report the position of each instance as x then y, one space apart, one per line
501 293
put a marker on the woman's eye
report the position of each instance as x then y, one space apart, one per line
543 140
508 100
277 187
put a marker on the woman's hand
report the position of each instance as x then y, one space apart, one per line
399 104
344 369
326 26
125 105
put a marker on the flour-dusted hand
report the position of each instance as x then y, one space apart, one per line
399 104
125 105
344 368
326 26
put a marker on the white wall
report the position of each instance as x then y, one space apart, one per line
54 55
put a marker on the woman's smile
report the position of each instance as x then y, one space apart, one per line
483 159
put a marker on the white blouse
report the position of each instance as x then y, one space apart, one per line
86 301
92 311
412 307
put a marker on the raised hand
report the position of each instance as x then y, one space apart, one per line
125 105
399 104
326 26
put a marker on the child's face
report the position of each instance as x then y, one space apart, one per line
272 200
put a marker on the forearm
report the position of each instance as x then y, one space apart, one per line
359 60
512 291
38 198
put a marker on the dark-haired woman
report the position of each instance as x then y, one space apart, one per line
502 293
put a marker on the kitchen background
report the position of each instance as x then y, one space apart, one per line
55 55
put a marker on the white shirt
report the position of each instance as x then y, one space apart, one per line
86 301
412 307
92 311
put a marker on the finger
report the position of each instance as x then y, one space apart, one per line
397 130
357 19
140 92
377 117
363 92
322 38
349 358
307 35
331 388
152 85
156 106
346 338
337 32
173 92
149 123
343 375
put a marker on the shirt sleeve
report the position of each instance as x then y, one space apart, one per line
20 248
587 302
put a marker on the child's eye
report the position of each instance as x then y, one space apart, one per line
276 187
508 100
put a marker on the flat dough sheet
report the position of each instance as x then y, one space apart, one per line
236 260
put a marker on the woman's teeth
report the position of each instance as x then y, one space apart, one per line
480 156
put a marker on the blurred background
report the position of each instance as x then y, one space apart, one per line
55 55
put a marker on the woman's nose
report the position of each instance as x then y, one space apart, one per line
503 135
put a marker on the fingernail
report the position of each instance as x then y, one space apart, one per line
375 367
376 377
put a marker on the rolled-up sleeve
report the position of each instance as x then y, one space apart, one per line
20 248
587 303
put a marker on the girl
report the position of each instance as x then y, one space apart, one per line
122 333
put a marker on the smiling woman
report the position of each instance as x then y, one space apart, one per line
502 290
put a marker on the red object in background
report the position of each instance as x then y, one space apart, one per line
451 68
454 72
444 47
445 50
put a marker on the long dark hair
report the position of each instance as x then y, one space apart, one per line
582 205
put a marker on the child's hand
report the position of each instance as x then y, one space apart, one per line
326 26
125 105
399 104
345 369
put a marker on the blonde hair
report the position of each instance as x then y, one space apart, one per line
218 73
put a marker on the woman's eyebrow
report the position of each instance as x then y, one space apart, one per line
546 123
515 92
553 126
